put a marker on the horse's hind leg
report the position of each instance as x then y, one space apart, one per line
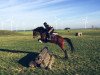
62 47
70 44
65 52
66 55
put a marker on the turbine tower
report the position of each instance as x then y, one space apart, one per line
85 22
2 27
11 28
23 26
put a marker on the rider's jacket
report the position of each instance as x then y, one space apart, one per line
49 29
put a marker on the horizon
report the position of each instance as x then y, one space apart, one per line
56 29
29 14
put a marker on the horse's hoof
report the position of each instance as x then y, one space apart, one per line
73 51
65 57
40 41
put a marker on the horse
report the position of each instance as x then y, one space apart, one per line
57 39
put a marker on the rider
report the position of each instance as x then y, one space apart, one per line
49 30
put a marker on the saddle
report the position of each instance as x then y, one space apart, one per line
52 36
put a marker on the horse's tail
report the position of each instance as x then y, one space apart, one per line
70 43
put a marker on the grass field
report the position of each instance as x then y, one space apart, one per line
15 46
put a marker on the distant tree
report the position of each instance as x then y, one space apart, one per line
67 28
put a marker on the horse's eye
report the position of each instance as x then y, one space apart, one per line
38 58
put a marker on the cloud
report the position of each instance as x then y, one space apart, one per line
55 12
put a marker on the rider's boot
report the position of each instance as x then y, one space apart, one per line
49 37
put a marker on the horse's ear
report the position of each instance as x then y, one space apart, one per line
33 29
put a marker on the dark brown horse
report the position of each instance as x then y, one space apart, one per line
57 39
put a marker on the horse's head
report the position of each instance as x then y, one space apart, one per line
38 30
34 33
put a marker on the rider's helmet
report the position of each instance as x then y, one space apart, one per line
45 24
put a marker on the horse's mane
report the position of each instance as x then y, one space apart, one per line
39 29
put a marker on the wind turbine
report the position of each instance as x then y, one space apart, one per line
2 27
23 26
4 23
10 22
11 28
7 21
85 22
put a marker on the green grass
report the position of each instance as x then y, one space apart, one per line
7 33
84 61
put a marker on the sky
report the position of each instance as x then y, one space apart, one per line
29 14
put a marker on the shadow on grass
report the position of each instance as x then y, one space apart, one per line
14 51
26 59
